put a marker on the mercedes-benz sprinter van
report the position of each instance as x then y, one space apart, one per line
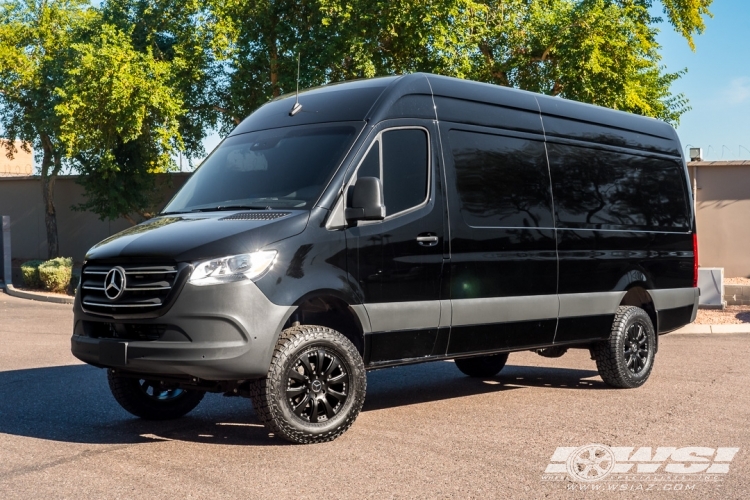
393 221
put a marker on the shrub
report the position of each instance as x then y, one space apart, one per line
30 273
56 273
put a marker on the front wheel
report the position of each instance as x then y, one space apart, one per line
151 399
315 387
625 360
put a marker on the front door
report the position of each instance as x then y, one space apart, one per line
398 262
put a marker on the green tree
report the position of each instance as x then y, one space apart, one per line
142 91
34 41
597 51
119 122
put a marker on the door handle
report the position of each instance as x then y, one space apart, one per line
427 240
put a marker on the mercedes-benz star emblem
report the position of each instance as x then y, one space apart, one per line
114 283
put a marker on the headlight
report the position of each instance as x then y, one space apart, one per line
246 266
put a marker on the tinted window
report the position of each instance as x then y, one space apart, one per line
603 189
501 181
278 168
404 169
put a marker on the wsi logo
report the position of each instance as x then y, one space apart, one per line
595 462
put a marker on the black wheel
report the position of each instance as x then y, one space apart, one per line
482 366
315 386
625 360
151 400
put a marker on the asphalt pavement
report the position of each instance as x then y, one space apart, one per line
426 431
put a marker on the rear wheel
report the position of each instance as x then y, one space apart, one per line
482 366
150 399
625 360
315 386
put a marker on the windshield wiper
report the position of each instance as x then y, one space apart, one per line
231 207
219 208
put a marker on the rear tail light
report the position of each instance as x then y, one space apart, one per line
695 259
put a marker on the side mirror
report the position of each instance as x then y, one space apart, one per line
366 201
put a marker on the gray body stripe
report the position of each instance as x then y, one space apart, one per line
504 309
392 316
364 320
589 304
446 313
674 297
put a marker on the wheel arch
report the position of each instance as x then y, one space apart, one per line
331 310
639 297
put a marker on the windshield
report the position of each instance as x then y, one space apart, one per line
279 168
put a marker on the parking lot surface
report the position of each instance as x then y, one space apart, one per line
426 431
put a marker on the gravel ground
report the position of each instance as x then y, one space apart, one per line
732 315
426 431
737 281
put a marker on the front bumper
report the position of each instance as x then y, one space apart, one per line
219 332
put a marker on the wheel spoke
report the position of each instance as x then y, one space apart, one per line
321 356
331 367
295 391
338 380
338 395
314 415
305 360
329 409
295 375
631 360
301 406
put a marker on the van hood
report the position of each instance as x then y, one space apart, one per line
198 236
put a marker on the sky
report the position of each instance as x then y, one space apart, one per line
717 83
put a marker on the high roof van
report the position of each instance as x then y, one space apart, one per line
391 221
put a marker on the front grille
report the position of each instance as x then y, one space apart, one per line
256 216
145 289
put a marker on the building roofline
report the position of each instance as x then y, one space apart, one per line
720 163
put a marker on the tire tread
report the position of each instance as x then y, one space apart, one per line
609 363
266 403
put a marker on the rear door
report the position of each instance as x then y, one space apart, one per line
503 266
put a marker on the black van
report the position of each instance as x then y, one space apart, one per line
393 221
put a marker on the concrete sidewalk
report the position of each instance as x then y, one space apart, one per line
693 328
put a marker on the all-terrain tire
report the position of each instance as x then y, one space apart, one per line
625 359
313 369
146 399
482 366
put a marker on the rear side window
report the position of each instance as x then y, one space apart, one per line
608 190
501 181
404 169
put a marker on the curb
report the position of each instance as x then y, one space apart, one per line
712 329
43 297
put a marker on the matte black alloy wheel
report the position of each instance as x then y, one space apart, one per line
317 385
626 358
636 348
151 399
154 390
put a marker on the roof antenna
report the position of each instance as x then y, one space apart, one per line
297 106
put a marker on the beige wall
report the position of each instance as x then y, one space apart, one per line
21 199
723 215
21 164
722 202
